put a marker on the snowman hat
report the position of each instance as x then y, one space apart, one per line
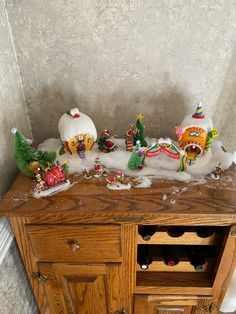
199 112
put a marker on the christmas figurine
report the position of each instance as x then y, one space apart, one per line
167 147
215 174
98 168
86 174
29 159
117 182
104 142
72 125
81 146
195 135
136 160
139 135
51 180
129 137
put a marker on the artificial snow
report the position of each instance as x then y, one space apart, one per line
38 193
143 182
157 167
118 186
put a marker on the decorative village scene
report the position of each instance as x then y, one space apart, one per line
121 164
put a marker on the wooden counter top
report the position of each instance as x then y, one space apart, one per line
213 202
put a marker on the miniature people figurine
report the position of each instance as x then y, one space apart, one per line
117 182
98 168
104 143
120 177
215 174
86 174
81 146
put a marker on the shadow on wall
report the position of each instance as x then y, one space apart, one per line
162 112
225 119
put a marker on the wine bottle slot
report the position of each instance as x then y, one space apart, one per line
197 258
144 258
170 256
175 232
204 232
146 232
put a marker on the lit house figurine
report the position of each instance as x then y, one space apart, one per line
195 134
77 131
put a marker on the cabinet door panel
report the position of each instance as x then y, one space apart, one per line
150 304
75 289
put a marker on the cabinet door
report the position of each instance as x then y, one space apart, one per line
75 289
144 304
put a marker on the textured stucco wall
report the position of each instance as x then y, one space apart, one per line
15 294
116 58
113 59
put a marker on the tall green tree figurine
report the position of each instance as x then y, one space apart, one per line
136 160
28 159
139 136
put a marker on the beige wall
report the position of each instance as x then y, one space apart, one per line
113 59
15 294
116 58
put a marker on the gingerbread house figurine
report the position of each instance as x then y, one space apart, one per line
195 134
73 126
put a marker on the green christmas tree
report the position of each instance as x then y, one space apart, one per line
27 155
136 160
140 132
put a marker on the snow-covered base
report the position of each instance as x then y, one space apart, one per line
157 167
43 193
118 186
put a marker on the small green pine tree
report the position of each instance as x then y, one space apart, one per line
136 161
25 154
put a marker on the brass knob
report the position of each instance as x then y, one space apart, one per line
74 246
233 231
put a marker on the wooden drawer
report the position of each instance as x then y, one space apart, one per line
76 243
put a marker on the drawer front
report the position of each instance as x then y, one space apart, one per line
76 243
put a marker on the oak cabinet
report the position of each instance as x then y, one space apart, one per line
72 288
80 247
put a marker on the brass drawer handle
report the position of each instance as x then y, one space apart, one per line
128 219
74 246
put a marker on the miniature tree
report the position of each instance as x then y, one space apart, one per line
139 136
27 157
136 160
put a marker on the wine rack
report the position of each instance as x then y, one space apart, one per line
185 258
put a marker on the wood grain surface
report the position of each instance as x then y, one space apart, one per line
212 203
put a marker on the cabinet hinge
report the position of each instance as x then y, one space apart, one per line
123 311
233 231
39 277
207 308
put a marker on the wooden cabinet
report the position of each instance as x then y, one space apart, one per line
72 288
80 247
